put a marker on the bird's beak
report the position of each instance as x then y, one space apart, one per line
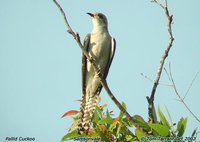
92 15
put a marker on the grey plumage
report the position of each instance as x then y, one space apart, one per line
101 47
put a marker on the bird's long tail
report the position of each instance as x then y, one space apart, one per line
87 108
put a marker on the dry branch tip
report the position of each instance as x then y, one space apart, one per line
162 61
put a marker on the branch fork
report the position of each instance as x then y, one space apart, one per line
150 100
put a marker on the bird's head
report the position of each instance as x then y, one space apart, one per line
99 20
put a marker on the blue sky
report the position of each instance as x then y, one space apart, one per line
40 76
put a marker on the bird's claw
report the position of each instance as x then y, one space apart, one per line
99 74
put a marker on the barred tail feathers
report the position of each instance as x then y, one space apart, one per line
87 108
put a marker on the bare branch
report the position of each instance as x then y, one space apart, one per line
167 73
97 70
75 35
191 85
166 3
146 77
150 80
157 2
65 18
180 98
162 61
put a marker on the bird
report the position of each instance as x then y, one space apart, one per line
101 47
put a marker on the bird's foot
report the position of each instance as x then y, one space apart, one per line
99 73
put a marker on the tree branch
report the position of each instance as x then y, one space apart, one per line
97 70
151 109
191 85
180 98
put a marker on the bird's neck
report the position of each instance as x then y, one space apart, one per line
100 29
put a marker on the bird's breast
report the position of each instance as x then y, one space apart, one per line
100 46
100 49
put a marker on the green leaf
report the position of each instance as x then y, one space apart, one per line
129 138
162 118
118 130
99 110
73 126
140 135
139 122
181 126
70 136
193 136
106 120
170 119
108 114
121 113
194 132
124 105
97 114
111 127
126 122
104 137
154 113
160 129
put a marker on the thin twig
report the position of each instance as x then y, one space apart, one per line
146 77
75 35
191 85
181 99
150 80
167 73
157 2
162 61
97 70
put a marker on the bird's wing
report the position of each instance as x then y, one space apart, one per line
84 76
88 103
84 63
111 55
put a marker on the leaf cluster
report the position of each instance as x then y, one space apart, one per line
107 128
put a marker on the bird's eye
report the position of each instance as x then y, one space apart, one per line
100 15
